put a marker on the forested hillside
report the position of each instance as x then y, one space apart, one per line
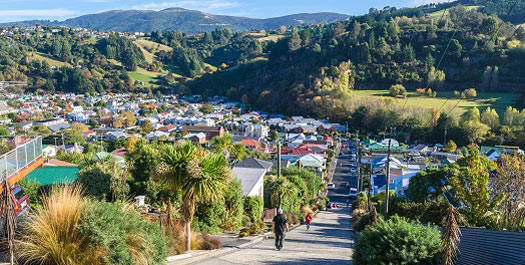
311 70
187 21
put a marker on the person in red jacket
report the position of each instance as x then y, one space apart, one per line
308 221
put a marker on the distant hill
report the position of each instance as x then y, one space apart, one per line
188 21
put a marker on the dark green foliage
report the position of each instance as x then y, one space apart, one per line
95 182
233 206
253 207
428 185
34 191
209 216
122 49
114 228
398 241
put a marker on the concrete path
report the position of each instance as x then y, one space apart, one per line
328 242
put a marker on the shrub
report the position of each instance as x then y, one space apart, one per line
123 235
397 90
365 219
398 241
72 230
209 216
253 207
470 93
209 242
50 236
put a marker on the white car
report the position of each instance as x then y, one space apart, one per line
353 193
331 186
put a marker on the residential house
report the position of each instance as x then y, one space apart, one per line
156 134
250 172
209 131
114 135
256 131
198 138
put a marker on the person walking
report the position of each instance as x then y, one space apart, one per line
308 221
280 228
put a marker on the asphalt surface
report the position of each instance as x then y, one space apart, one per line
329 240
342 176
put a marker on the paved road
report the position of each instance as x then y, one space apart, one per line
327 243
342 177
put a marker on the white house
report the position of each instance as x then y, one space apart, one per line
250 172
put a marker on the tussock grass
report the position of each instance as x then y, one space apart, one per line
51 236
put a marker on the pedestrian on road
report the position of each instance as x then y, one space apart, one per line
308 221
280 228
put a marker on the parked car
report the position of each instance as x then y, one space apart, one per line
331 186
352 194
21 200
353 170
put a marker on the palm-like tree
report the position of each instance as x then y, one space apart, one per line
200 176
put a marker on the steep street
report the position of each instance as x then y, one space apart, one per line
328 242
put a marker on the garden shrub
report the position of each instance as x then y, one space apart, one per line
253 207
123 235
210 216
398 241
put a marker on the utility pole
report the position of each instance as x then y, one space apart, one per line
387 195
279 176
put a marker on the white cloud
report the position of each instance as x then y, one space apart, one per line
202 5
38 13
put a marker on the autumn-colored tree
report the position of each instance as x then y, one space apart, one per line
451 146
78 127
509 183
117 122
146 126
470 184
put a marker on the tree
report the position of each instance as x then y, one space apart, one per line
4 131
451 147
78 127
469 93
490 118
274 135
397 90
198 175
129 118
511 117
146 126
469 180
509 184
207 109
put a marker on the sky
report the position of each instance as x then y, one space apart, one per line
17 10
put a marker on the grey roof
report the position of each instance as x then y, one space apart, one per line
481 246
248 177
58 127
254 163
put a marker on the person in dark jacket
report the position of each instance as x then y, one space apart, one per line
280 228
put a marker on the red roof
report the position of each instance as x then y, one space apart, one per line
120 152
250 142
88 132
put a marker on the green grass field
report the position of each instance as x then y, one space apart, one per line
498 101
44 57
439 13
